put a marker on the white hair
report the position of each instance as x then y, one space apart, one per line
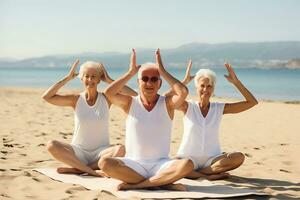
205 73
145 66
90 65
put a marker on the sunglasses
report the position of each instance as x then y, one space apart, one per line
152 79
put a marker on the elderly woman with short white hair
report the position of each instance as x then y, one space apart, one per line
200 141
90 142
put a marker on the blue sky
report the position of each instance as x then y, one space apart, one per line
31 28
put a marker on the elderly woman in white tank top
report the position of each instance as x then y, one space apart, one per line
90 142
200 142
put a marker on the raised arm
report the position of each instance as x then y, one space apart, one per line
51 95
186 80
242 105
107 79
175 100
113 90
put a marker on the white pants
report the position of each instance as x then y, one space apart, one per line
147 168
88 157
202 161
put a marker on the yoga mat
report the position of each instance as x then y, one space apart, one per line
196 189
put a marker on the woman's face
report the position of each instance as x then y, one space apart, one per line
204 88
90 78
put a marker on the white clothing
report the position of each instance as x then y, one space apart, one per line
88 157
147 169
91 124
148 134
202 161
200 141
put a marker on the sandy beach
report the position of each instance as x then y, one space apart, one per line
268 134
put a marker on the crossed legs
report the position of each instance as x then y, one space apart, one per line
219 167
64 152
132 180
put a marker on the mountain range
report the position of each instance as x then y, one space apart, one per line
239 54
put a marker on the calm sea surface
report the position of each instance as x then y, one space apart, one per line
271 84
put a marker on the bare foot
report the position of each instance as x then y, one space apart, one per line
68 170
123 186
101 173
219 176
174 187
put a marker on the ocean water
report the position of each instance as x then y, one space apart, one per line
265 84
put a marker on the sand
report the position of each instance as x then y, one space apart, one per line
268 134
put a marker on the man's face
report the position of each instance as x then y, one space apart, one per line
149 82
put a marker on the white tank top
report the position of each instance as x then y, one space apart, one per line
201 134
91 123
148 134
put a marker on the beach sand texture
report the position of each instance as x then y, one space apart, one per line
268 134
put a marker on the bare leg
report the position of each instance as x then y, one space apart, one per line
219 166
117 169
72 170
224 163
112 151
64 152
177 170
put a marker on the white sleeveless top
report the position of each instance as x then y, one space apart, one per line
148 134
201 134
91 123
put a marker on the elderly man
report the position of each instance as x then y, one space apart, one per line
148 130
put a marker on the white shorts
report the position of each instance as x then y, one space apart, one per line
88 157
145 168
201 162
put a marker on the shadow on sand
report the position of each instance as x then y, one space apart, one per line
277 189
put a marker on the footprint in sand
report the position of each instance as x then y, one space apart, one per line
65 134
256 148
39 135
283 144
118 138
283 170
36 179
2 170
15 170
5 140
3 158
18 145
74 190
248 155
41 145
23 154
4 152
4 195
257 163
27 174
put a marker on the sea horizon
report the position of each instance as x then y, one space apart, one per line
278 84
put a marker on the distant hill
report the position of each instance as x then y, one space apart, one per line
260 54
